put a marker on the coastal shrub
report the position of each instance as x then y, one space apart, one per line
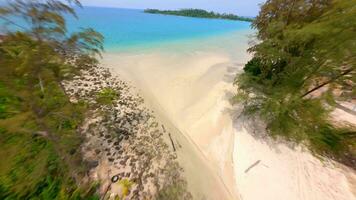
107 96
253 67
302 60
38 123
125 187
32 164
9 104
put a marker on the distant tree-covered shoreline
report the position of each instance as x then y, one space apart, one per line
199 13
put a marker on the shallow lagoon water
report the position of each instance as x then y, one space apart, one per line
129 28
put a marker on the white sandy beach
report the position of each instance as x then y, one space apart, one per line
189 86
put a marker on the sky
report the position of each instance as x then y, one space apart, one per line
239 7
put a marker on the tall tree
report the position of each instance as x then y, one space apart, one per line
38 123
49 41
303 60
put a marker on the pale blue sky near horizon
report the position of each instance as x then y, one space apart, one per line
239 7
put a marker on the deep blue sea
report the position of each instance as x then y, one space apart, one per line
124 28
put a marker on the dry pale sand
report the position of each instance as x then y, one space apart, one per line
266 169
189 86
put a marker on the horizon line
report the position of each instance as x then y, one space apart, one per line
142 9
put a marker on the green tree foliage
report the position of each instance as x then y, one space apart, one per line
305 55
38 125
45 22
198 13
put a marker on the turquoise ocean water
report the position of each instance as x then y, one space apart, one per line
127 28
130 28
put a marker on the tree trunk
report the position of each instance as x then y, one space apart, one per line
327 82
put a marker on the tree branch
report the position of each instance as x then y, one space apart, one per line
327 82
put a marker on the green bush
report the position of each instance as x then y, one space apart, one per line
253 67
107 96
